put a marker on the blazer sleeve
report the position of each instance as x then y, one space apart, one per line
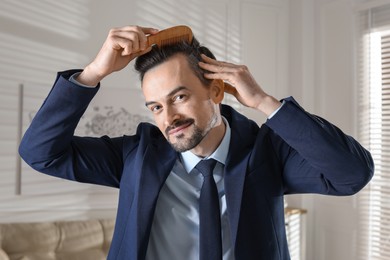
49 144
317 157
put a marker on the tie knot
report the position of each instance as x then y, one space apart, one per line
206 167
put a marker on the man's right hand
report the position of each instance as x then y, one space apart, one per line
121 46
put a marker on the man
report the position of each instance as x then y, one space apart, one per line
159 216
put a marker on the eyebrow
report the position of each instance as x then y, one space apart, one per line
170 94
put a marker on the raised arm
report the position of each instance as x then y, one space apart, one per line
316 156
121 46
49 144
241 85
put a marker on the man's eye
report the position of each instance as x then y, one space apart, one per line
155 108
179 97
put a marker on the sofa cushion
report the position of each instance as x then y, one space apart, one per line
3 255
108 226
22 238
76 236
90 254
33 256
64 240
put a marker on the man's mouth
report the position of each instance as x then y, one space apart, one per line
178 127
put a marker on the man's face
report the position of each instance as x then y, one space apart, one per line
182 106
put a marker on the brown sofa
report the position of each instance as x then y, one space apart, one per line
62 240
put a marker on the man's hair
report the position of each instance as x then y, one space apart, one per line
158 55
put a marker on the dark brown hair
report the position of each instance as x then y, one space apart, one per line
158 55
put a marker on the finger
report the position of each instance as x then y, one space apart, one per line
230 89
130 37
226 77
216 68
142 35
127 49
136 43
125 46
144 30
209 60
149 30
135 55
137 34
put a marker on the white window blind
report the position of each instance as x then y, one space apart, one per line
33 47
374 101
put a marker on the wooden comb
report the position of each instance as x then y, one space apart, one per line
170 36
178 34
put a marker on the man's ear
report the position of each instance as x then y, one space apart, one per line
217 91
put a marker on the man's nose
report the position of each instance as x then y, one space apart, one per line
171 115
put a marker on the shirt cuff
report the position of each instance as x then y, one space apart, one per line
73 80
277 110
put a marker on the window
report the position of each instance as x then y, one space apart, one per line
374 101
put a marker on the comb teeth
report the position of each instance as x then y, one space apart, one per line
174 40
171 36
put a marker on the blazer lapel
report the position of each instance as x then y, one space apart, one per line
236 167
235 172
158 162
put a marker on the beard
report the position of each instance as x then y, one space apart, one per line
184 143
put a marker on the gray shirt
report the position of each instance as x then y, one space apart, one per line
175 228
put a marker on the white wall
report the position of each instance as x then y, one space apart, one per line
303 48
39 38
322 77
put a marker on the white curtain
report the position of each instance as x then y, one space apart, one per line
374 104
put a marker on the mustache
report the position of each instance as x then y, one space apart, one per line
179 123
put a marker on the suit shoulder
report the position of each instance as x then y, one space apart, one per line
145 133
242 123
148 130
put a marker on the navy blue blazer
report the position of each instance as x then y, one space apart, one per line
294 152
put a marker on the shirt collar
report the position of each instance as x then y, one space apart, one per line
190 160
